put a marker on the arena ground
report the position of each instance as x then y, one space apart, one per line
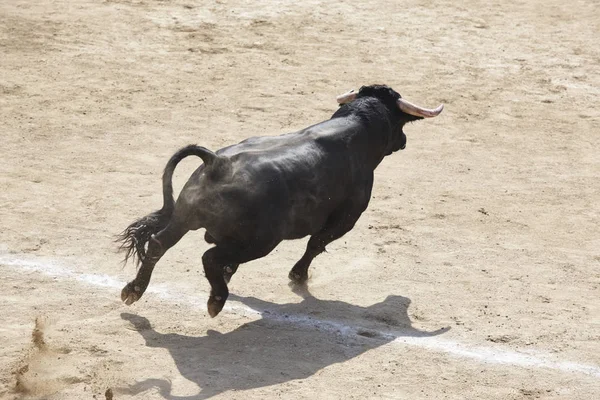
474 274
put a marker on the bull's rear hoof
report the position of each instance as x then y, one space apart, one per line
297 279
215 305
131 293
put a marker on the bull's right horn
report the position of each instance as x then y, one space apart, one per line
417 111
346 97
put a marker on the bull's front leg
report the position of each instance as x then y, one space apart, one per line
338 224
214 265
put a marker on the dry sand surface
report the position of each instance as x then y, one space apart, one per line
474 274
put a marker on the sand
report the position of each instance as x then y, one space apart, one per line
474 274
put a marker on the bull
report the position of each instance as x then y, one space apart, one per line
252 195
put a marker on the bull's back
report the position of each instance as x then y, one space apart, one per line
297 190
283 186
300 179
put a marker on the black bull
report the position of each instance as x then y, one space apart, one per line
250 196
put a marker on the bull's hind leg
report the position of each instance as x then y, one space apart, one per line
338 224
208 238
229 269
216 262
157 247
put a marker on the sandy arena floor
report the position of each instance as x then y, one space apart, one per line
474 274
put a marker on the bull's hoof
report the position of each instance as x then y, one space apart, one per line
215 305
297 278
131 293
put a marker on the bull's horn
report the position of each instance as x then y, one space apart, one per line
417 111
346 97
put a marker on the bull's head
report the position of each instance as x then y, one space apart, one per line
403 110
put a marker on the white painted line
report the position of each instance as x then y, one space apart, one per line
485 354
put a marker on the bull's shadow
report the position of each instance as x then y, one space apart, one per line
291 341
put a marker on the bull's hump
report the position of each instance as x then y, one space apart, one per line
335 127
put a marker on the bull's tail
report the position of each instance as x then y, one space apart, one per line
134 238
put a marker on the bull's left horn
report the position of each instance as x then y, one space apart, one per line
346 97
417 111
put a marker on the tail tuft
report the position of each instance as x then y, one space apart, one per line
137 235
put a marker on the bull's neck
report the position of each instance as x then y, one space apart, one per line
374 139
374 133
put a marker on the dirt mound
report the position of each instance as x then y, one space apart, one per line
28 377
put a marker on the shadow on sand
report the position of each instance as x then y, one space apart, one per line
291 341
